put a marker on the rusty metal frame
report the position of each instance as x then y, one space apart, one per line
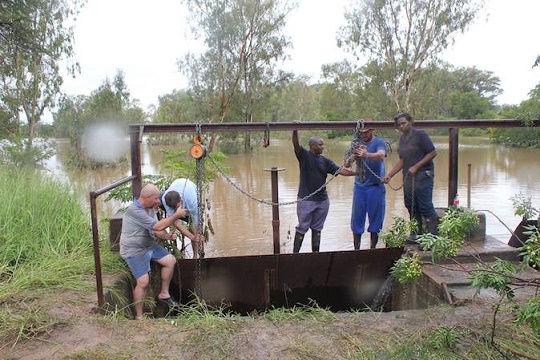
136 133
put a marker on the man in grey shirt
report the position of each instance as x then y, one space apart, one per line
139 245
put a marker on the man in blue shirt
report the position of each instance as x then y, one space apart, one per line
369 194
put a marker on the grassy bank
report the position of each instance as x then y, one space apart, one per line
45 246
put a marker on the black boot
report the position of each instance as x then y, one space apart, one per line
357 240
315 240
419 223
374 240
419 229
298 238
432 225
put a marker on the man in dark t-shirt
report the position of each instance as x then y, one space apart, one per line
313 203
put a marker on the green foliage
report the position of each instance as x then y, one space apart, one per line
175 107
523 206
444 337
457 223
46 239
16 152
31 74
468 105
530 251
454 227
530 314
407 269
371 28
441 247
124 193
396 235
108 108
245 40
496 276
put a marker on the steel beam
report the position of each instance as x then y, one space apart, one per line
323 125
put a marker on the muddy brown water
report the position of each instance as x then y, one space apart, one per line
243 223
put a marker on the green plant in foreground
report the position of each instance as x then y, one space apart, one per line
530 251
407 269
530 314
443 337
458 223
396 235
455 226
496 276
523 206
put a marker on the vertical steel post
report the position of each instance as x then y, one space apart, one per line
453 148
275 207
135 136
97 255
469 186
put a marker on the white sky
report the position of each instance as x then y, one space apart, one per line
146 38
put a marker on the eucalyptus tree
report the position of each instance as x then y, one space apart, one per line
404 36
40 40
337 91
243 42
297 101
175 107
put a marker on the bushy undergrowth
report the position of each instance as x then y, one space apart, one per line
45 237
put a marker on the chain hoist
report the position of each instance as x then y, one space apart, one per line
199 153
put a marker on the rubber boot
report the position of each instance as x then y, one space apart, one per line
374 240
298 238
315 240
420 224
432 225
419 229
357 240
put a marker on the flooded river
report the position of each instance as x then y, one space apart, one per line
243 222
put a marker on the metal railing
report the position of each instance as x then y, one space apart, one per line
136 133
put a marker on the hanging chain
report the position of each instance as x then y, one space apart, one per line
200 244
412 198
237 187
363 166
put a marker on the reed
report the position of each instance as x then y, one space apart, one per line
45 245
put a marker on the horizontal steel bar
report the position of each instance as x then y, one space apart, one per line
96 193
323 125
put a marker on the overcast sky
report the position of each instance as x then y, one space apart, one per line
146 38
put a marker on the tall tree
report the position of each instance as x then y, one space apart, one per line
30 63
243 41
109 106
337 93
404 35
297 101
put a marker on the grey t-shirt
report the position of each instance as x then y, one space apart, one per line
137 235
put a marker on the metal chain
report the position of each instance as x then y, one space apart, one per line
412 197
265 201
360 125
199 166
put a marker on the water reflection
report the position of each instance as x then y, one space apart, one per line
243 223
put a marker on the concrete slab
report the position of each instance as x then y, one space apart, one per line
448 281
486 251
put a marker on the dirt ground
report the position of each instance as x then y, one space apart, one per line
88 335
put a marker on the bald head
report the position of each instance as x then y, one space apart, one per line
149 196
